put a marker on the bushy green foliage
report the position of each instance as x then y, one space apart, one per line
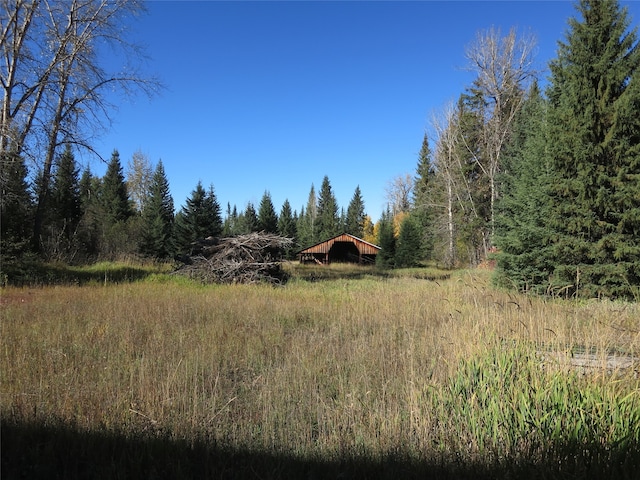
503 403
594 129
408 248
386 242
522 231
16 207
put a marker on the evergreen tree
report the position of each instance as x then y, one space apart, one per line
16 209
114 195
287 226
90 222
328 223
198 219
267 217
524 259
594 133
307 222
158 218
354 222
386 242
286 221
423 205
249 219
213 213
230 226
115 212
409 243
65 195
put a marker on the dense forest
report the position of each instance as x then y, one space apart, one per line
545 181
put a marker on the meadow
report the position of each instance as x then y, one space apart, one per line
342 372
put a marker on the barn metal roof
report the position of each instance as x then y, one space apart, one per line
364 247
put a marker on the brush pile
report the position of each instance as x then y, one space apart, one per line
250 258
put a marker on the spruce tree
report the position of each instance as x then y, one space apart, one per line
16 209
423 201
247 221
198 219
65 196
524 259
286 221
287 226
409 243
328 224
267 217
115 212
354 222
114 194
386 242
594 131
90 222
157 218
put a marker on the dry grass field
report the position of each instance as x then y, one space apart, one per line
340 373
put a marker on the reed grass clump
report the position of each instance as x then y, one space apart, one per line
354 375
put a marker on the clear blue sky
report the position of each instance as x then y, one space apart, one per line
276 95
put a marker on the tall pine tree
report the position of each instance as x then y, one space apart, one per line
115 211
267 216
524 260
114 194
328 221
158 217
287 226
354 223
423 199
65 194
16 209
386 241
198 219
594 132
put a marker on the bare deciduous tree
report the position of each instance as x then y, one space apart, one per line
504 67
139 175
55 90
399 192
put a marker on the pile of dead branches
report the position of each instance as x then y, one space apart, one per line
251 258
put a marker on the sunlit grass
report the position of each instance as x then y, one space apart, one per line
337 363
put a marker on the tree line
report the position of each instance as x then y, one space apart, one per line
89 217
545 181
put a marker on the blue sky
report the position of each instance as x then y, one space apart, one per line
276 95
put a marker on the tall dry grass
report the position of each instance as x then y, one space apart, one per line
366 367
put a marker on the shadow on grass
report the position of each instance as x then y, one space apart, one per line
38 274
49 452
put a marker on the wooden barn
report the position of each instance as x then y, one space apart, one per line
342 248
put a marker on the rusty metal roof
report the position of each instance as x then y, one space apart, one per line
364 247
